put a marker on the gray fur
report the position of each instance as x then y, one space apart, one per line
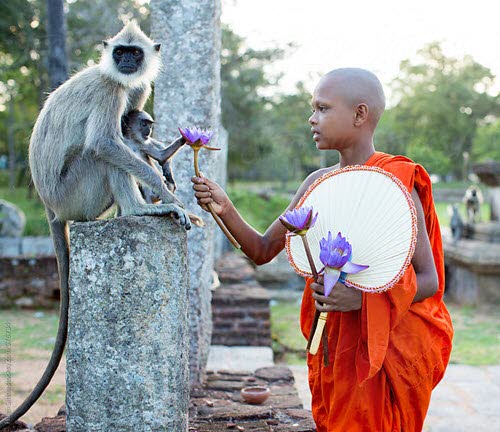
80 165
153 152
473 199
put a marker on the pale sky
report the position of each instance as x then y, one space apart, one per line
375 35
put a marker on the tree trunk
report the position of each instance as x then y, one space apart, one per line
56 32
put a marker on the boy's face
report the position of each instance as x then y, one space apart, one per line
332 119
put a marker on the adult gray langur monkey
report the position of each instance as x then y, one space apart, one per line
80 165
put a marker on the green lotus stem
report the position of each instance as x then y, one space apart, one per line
315 276
211 209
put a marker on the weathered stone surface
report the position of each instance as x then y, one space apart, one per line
10 246
127 355
214 410
219 410
488 172
488 232
12 220
187 93
472 271
52 424
241 315
278 273
30 281
495 203
275 373
234 267
240 306
34 246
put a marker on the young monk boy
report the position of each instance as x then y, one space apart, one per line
387 351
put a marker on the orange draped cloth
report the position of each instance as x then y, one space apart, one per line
386 358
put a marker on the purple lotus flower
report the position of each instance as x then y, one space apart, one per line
335 254
298 221
197 138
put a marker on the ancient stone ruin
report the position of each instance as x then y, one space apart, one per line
473 263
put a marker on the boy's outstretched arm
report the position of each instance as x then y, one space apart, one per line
259 248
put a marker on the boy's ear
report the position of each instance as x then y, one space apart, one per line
361 114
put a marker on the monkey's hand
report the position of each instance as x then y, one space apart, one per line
209 192
181 215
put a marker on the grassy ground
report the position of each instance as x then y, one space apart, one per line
476 341
257 211
32 335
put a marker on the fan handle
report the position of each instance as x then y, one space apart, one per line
318 333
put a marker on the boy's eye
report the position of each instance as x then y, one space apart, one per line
322 108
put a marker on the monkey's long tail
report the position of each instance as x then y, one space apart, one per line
60 236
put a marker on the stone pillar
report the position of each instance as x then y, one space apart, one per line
128 339
495 203
187 93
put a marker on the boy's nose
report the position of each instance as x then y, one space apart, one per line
312 119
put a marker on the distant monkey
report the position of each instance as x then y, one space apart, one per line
473 199
80 165
456 222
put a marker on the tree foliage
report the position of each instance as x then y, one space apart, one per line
442 102
24 57
245 108
445 105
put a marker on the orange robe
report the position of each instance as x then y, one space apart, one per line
386 358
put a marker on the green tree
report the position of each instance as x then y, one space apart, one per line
486 144
24 59
442 101
245 108
294 151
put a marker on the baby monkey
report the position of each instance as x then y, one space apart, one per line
136 129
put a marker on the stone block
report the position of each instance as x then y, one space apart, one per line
10 246
128 340
37 246
472 271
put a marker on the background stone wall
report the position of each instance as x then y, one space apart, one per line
240 306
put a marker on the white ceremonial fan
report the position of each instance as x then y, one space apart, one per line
376 214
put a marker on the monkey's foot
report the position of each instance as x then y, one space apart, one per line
161 209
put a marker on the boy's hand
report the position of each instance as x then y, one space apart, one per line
209 192
341 299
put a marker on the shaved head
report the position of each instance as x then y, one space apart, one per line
358 86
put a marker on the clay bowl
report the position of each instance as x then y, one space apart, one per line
255 395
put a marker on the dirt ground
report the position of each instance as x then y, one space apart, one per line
25 374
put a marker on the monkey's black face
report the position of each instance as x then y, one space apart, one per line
128 59
146 128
